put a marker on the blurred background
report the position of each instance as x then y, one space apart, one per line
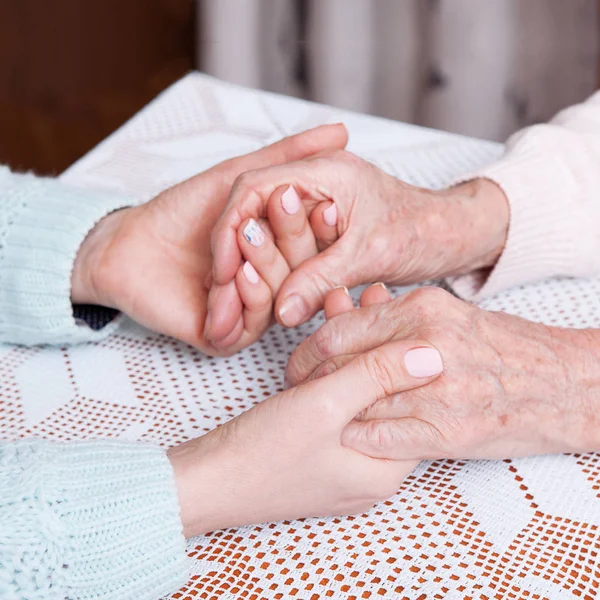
72 71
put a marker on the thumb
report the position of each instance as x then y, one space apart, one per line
370 377
303 293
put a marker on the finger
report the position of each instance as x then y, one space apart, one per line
375 294
337 302
289 224
224 311
259 249
323 222
399 406
232 339
249 199
330 366
368 378
303 293
353 332
396 439
298 146
258 302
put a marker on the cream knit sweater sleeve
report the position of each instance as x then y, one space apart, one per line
550 174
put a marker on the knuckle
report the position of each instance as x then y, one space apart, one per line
327 368
263 304
381 371
429 302
245 181
326 340
382 435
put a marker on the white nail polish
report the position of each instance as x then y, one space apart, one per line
254 234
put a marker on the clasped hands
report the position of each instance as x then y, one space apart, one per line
273 235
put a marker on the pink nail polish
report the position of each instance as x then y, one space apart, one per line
290 201
423 362
330 215
250 273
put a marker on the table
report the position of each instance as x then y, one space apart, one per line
456 529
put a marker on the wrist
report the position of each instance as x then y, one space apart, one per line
578 357
86 279
478 216
202 495
548 384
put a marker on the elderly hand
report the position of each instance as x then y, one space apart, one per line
153 262
509 387
378 229
284 459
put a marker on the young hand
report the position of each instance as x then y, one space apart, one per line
153 261
271 248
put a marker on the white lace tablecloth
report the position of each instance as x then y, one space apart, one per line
457 529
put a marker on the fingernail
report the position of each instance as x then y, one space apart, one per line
254 234
293 311
423 362
342 287
290 201
380 283
330 215
250 273
207 327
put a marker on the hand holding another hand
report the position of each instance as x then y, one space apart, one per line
509 387
153 261
284 459
370 226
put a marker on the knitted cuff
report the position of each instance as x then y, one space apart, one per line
89 520
542 234
43 222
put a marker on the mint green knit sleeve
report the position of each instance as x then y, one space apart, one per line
43 222
88 520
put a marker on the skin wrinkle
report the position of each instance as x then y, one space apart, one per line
589 376
509 388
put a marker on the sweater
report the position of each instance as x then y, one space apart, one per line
91 520
550 174
100 519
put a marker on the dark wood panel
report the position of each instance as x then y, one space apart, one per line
71 71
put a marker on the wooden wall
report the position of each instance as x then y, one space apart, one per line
71 71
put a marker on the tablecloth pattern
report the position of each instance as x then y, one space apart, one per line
456 529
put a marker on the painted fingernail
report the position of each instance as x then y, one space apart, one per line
423 362
207 327
254 234
290 201
330 215
293 311
250 273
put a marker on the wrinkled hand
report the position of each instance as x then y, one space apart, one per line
509 387
153 262
385 230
